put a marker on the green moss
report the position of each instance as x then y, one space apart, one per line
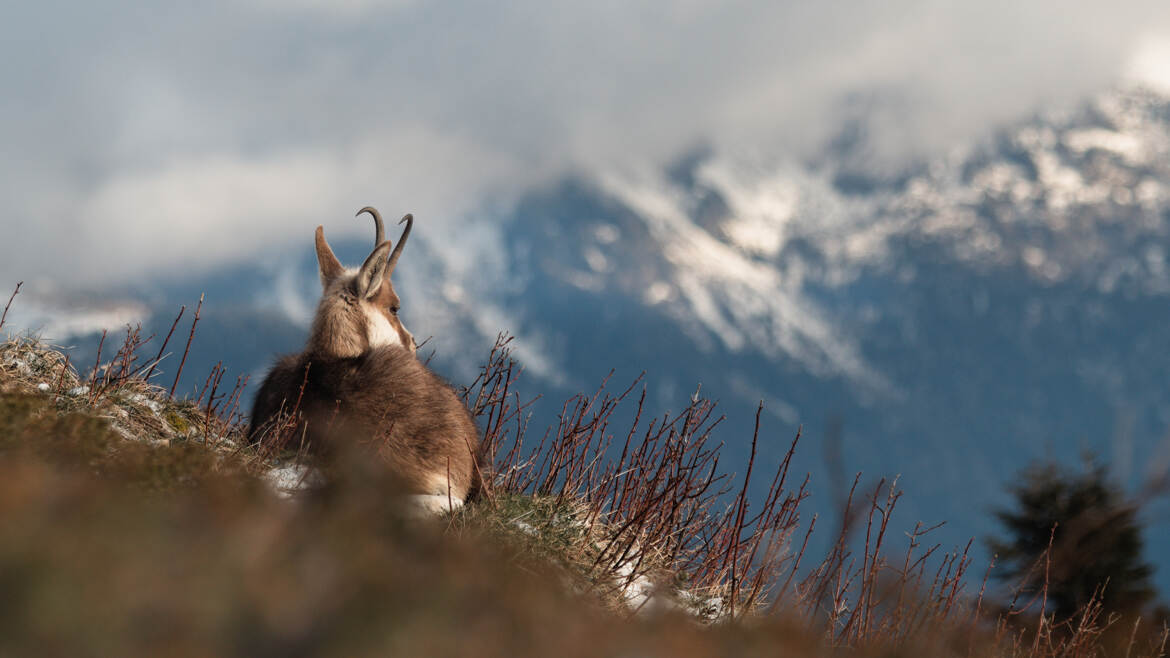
176 421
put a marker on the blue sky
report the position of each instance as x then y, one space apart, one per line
145 137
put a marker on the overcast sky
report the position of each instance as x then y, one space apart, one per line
175 138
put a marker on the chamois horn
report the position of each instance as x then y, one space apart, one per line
407 219
379 230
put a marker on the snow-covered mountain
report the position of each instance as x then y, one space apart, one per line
955 318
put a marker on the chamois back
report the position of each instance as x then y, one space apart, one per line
358 383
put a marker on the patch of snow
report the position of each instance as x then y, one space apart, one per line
289 479
761 205
530 349
21 365
596 260
139 398
741 301
453 292
755 235
1002 180
708 608
606 233
1062 184
123 432
1125 145
585 281
1033 256
1150 192
658 292
642 596
525 527
290 296
77 391
43 387
645 598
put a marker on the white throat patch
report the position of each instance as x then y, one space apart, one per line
379 331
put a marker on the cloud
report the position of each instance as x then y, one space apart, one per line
223 207
1150 62
144 138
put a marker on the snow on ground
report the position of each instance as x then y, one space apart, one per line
292 478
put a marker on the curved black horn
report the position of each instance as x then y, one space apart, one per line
407 219
379 230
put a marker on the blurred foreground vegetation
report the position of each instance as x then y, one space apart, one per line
132 523
115 547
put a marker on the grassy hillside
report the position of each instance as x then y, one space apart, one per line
132 523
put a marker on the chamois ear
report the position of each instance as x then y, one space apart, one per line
370 277
327 264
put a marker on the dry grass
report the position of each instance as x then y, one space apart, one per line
134 523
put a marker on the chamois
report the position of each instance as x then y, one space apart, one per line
359 383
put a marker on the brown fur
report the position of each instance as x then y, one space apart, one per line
353 394
340 326
386 399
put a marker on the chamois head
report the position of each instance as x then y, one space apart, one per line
359 308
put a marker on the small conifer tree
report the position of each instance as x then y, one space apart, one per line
1095 537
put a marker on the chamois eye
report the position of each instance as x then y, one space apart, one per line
394 309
